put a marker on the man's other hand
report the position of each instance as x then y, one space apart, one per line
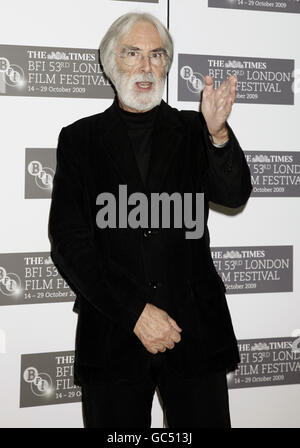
156 329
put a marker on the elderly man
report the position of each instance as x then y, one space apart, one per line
151 307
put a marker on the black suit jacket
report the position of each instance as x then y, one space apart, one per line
115 272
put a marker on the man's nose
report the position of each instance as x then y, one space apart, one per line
145 64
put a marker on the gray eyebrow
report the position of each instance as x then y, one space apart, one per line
130 47
161 49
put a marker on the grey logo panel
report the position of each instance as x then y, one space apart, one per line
52 72
274 173
282 6
40 165
255 269
260 80
28 278
48 378
267 362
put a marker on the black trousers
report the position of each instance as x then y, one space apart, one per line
200 402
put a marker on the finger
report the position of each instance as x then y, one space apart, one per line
224 103
161 348
177 339
170 344
209 84
223 90
232 79
229 90
153 351
170 347
229 97
175 336
233 92
229 82
225 84
232 86
174 324
209 80
228 104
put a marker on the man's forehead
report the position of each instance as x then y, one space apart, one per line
141 35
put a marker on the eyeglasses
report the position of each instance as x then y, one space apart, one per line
135 57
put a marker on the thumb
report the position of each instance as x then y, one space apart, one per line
209 82
174 324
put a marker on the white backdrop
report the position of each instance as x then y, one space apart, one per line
34 122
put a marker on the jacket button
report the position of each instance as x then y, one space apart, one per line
149 232
228 167
155 284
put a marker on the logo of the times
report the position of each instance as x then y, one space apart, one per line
41 383
195 81
43 176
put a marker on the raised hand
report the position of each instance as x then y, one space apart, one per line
216 106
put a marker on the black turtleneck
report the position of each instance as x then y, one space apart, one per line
140 127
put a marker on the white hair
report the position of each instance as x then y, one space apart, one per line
122 26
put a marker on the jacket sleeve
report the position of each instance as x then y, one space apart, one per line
109 287
227 178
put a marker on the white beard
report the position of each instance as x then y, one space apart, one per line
133 98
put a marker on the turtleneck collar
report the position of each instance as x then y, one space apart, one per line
137 119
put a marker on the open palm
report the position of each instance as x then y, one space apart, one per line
217 103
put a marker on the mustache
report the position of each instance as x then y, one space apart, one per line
140 77
146 77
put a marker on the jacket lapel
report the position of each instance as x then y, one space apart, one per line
167 135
